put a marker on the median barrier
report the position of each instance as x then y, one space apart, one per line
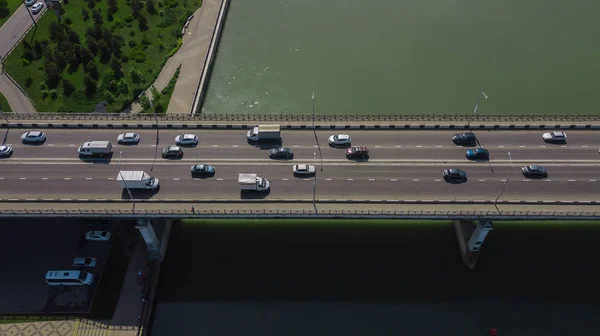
285 201
299 214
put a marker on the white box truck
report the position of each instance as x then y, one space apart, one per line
136 179
264 133
253 182
92 148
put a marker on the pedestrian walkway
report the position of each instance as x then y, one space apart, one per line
190 56
45 328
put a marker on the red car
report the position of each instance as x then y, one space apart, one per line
357 152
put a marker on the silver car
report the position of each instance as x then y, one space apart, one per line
304 170
84 262
186 139
339 140
5 151
128 138
33 136
97 235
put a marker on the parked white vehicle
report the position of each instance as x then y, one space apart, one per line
128 138
29 2
97 235
37 7
69 278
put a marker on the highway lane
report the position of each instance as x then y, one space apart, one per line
576 182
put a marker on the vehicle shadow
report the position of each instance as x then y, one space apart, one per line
35 144
453 181
346 146
467 145
202 177
264 145
173 158
188 145
304 175
97 159
139 193
7 156
479 160
359 159
127 144
250 194
282 159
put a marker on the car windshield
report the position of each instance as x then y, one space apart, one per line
103 234
150 181
82 276
88 261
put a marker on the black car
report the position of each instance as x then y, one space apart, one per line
172 152
202 170
534 171
281 153
455 175
467 138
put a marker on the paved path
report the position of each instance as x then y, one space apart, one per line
191 57
10 34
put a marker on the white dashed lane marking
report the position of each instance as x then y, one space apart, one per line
571 180
67 178
327 179
219 179
481 180
284 179
393 180
176 179
88 178
71 145
350 179
22 178
371 179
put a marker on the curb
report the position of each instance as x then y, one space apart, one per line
310 127
287 201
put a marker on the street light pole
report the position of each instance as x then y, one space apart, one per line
157 140
125 183
505 183
315 183
315 130
475 107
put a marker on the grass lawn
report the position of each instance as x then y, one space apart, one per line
12 8
4 107
145 50
160 104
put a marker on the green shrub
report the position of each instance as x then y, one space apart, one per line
129 19
53 94
25 62
138 56
43 86
132 43
179 42
68 20
171 3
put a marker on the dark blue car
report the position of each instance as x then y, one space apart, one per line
478 154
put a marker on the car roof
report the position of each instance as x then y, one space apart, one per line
173 148
130 135
34 133
2 147
558 134
302 167
343 136
189 136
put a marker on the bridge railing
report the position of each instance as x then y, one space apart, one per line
366 214
258 117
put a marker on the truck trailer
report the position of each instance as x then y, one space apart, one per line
92 148
136 179
252 182
264 133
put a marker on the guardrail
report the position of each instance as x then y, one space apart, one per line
297 214
306 117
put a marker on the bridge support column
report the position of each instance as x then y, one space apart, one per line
147 232
470 237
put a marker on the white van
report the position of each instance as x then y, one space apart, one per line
69 278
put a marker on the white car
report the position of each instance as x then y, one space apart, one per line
84 262
29 2
6 150
33 136
340 140
97 235
186 139
304 169
555 137
128 138
37 7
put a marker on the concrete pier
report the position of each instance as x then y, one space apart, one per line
464 231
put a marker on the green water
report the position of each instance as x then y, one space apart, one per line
407 56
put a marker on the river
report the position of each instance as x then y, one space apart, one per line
347 279
407 57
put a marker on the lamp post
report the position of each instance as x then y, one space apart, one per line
505 183
315 130
125 183
481 93
315 182
157 140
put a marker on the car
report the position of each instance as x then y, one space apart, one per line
33 136
340 140
97 235
202 170
281 153
304 169
186 139
84 262
559 137
534 171
37 7
5 151
357 151
455 175
128 138
478 154
467 138
172 152
29 2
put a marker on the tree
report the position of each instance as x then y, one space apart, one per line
151 7
136 7
85 54
104 52
112 6
97 17
156 96
108 96
137 77
53 73
115 65
68 87
92 70
142 22
4 11
145 102
91 4
92 46
73 37
57 33
90 86
85 14
122 86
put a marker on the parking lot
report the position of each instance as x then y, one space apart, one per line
31 247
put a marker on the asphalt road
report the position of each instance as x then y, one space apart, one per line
402 165
10 33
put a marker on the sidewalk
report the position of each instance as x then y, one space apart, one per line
191 57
